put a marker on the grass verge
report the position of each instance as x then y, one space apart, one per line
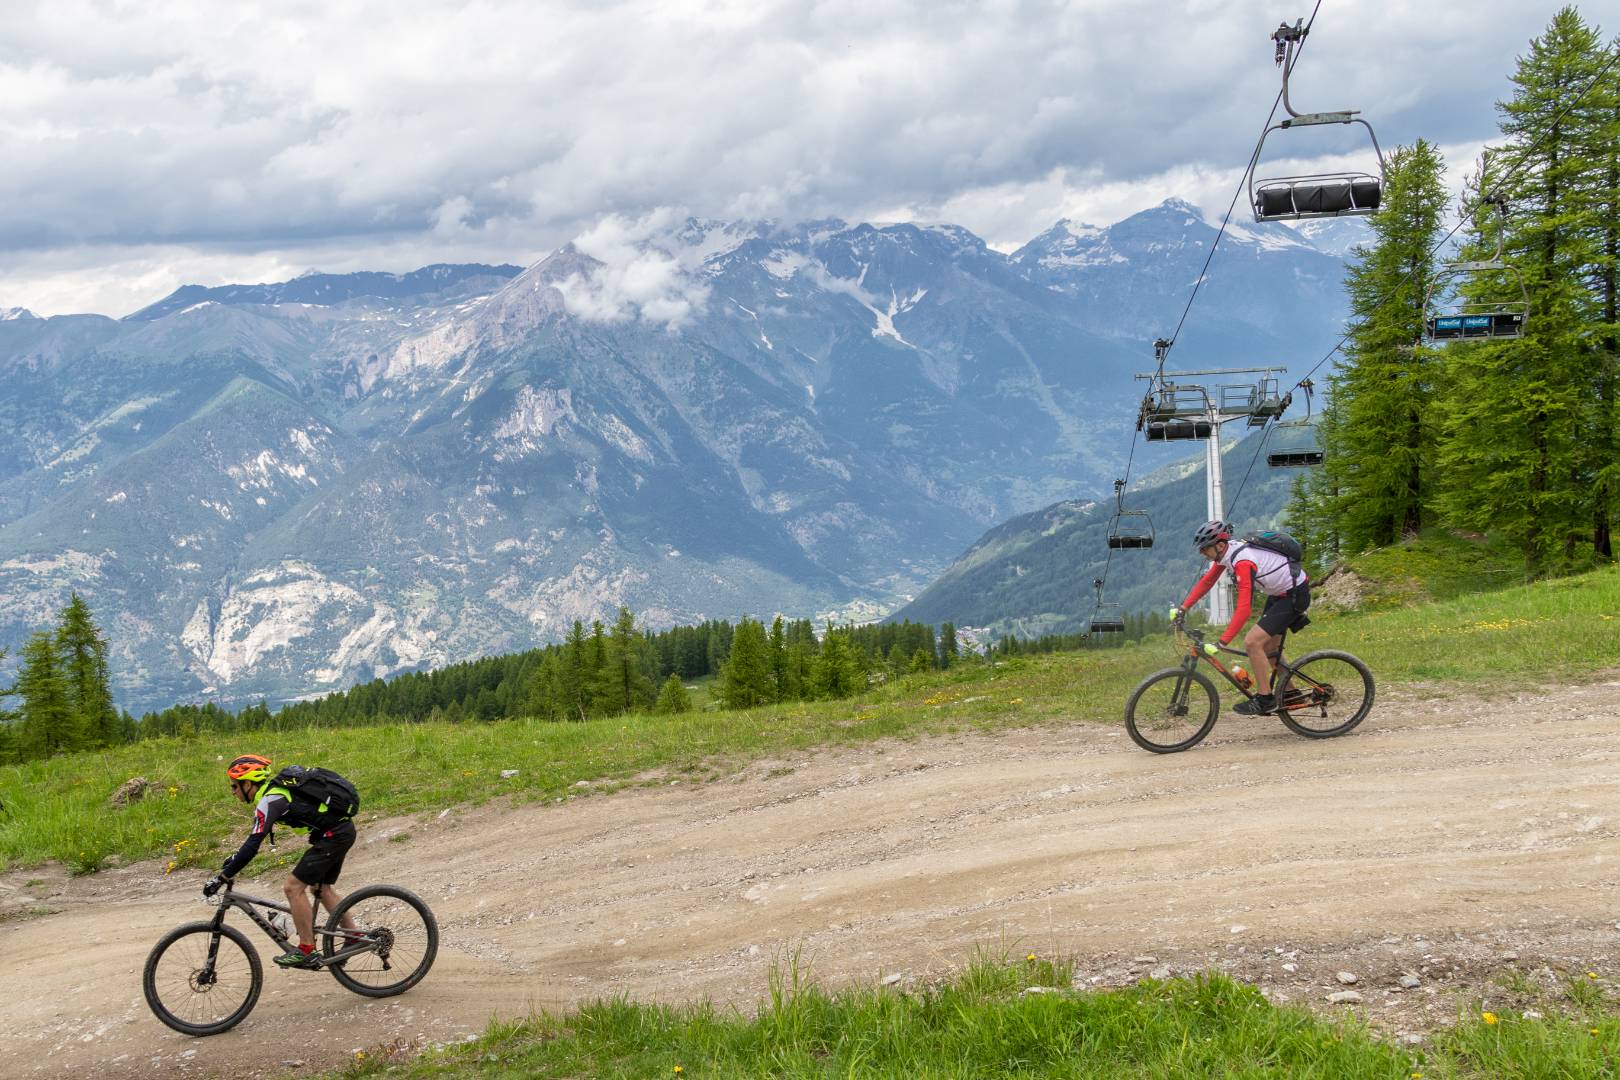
57 809
1003 1019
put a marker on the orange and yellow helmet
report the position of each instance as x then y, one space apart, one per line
249 767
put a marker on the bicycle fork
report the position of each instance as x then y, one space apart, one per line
1178 699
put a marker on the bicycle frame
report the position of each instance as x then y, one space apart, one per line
1192 641
250 905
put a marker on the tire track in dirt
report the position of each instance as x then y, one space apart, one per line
1440 838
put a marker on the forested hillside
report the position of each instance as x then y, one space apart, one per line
1033 575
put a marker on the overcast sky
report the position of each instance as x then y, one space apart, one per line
149 144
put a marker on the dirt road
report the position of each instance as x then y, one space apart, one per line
1443 841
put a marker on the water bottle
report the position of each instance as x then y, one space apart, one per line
282 922
1244 679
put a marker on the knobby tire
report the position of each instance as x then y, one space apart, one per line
1329 665
411 916
1142 729
165 1008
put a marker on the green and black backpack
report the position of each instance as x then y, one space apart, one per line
320 797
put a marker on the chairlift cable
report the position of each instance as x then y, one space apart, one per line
1242 183
1265 434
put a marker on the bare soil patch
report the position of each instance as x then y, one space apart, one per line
1457 842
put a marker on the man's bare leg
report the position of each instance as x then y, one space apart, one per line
1261 647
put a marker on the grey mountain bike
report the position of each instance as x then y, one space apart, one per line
1320 695
203 977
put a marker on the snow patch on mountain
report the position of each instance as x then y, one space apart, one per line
852 287
784 263
16 314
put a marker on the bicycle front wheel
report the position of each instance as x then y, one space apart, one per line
401 932
196 997
1172 710
1327 693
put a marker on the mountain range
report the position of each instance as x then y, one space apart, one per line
278 490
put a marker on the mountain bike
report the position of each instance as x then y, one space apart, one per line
1320 695
203 977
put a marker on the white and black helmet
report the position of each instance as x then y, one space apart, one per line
1211 532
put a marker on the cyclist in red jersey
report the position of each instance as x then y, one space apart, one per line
1288 595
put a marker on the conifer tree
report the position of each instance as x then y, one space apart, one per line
547 699
576 674
83 650
48 724
672 697
1597 124
777 660
921 662
8 734
947 645
745 680
1380 442
836 672
623 681
1522 417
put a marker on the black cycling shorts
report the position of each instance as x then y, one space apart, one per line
323 862
1287 612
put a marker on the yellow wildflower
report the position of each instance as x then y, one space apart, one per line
1489 1018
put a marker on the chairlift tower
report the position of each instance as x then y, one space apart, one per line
1176 409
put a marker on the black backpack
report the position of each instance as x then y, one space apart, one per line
320 797
1282 544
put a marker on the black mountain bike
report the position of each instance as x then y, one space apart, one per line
1320 695
203 977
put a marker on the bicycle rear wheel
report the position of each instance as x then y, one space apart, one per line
193 997
1172 710
1326 694
403 934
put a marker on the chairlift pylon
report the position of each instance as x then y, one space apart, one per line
1320 195
1106 618
1129 529
1296 445
1467 320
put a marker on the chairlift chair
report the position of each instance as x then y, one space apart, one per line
1466 320
1170 413
1296 445
1174 430
1129 529
1321 195
1299 451
1106 618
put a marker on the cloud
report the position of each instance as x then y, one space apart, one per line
303 132
644 268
